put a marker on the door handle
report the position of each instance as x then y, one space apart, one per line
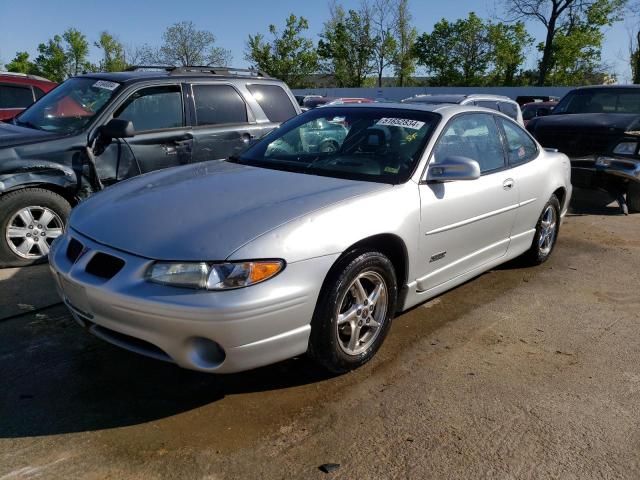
508 184
247 137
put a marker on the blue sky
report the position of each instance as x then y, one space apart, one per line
24 24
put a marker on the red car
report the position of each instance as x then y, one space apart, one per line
18 91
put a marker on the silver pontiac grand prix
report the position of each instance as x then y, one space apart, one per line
292 247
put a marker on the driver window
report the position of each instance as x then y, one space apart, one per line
153 108
473 136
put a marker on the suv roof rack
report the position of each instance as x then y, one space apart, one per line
225 71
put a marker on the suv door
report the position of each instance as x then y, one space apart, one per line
162 138
223 125
466 223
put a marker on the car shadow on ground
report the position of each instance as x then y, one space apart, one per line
58 379
593 202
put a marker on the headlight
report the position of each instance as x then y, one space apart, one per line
214 276
603 161
626 148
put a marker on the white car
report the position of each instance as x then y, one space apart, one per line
230 265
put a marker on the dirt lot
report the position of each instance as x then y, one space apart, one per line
520 373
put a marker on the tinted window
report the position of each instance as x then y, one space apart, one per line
274 101
39 93
473 136
521 148
15 97
372 144
612 100
493 105
509 109
153 108
218 104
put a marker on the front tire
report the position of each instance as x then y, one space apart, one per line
546 235
30 219
354 311
633 197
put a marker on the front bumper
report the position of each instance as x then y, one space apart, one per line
223 331
596 170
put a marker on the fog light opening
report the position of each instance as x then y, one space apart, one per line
205 353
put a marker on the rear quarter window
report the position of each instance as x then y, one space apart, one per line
15 96
274 101
509 109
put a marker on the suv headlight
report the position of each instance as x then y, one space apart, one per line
214 276
626 148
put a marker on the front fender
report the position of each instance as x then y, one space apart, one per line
19 173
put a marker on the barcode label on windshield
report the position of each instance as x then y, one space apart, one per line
400 122
106 85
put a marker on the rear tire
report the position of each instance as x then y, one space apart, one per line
30 219
354 311
546 235
633 197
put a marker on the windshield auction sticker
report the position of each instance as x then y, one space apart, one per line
106 85
400 122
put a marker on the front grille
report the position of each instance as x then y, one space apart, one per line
104 266
74 250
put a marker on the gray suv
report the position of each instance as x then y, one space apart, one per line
98 129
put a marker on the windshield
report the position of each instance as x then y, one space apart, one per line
69 107
613 100
374 144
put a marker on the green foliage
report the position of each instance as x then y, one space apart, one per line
404 61
381 13
456 53
76 52
113 58
21 64
52 59
184 45
289 56
347 48
508 44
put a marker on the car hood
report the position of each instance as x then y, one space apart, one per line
583 134
12 135
205 211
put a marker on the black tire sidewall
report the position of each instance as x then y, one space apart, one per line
11 203
323 344
633 197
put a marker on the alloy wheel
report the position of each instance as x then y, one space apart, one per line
31 231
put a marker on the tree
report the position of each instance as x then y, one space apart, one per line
21 64
508 44
381 13
76 51
52 59
404 62
113 56
456 53
184 45
347 47
561 19
634 42
289 56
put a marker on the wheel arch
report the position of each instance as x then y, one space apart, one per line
58 189
561 195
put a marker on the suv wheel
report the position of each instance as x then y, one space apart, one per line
354 311
30 220
633 197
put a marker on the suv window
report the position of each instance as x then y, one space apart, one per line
509 109
473 136
492 104
218 104
521 148
15 97
153 108
274 101
39 92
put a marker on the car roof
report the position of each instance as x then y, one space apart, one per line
455 98
24 78
444 109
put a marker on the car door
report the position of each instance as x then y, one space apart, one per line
466 223
223 124
530 175
162 138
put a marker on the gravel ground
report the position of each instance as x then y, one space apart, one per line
520 373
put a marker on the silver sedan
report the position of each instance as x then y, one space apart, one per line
231 265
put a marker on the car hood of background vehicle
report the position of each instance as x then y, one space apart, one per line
205 211
597 122
12 135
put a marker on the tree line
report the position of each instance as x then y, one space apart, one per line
378 44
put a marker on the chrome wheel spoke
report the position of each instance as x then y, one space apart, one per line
26 216
359 291
375 295
53 232
372 322
43 247
17 232
25 247
348 316
354 340
46 217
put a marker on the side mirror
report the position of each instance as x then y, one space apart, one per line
453 168
117 128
